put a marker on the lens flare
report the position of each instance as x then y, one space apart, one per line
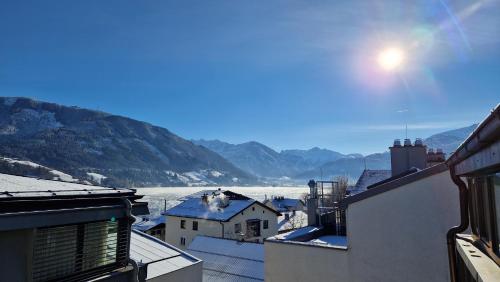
390 59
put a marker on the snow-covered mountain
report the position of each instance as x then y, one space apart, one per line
300 165
449 140
265 162
106 148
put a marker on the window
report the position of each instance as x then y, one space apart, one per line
485 212
253 208
183 224
496 192
183 241
195 225
78 249
287 216
237 228
266 224
253 228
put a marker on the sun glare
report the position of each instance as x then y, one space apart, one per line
390 59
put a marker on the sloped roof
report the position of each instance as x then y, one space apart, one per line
160 257
229 260
148 223
192 206
369 177
282 204
395 183
13 186
195 208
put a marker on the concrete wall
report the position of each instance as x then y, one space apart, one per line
214 228
398 235
16 250
193 273
294 262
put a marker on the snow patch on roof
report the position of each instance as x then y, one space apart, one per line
160 257
229 260
367 178
196 208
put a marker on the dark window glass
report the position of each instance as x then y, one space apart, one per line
495 182
266 224
237 228
183 224
253 228
77 249
195 225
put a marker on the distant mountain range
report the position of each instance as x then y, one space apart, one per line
106 148
300 165
73 144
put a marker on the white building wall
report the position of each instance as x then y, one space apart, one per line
399 235
293 262
220 229
192 273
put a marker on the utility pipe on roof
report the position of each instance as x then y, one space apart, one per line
464 223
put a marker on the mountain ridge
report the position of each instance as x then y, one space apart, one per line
126 151
322 163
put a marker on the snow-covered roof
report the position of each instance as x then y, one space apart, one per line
367 178
330 240
282 204
12 186
160 257
218 205
195 208
296 233
229 260
146 223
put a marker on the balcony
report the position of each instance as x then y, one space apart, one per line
473 265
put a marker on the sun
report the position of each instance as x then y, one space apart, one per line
391 59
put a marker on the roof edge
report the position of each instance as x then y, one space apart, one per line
484 134
391 185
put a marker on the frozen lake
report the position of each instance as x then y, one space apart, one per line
161 197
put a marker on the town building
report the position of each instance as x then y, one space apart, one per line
61 231
154 226
283 204
221 214
229 260
396 229
293 214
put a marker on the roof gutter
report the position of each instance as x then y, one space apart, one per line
486 131
464 223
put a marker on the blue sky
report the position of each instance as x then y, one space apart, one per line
289 74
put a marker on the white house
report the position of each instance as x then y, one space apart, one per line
222 214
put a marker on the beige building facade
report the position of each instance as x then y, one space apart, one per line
253 224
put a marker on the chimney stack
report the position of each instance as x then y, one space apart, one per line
408 156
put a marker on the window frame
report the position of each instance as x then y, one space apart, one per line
195 225
183 224
482 214
237 228
265 224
